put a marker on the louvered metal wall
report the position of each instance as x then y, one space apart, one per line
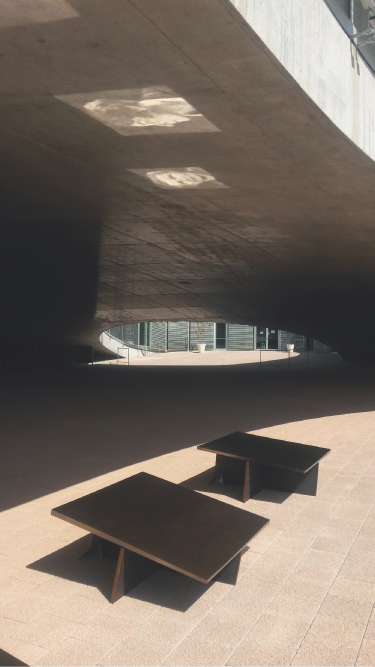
158 336
286 337
116 332
178 336
240 337
130 334
208 336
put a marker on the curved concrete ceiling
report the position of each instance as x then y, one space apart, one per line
159 163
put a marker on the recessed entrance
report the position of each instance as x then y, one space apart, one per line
267 339
221 336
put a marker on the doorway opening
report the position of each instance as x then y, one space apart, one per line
221 336
267 338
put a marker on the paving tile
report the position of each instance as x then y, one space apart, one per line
274 567
28 607
59 588
254 586
363 543
166 627
351 512
28 574
294 545
359 566
78 608
366 655
191 653
223 628
104 628
9 627
12 589
130 608
279 631
135 652
261 543
74 652
261 653
335 631
315 653
319 509
354 589
46 631
305 526
335 539
299 587
42 548
24 538
6 571
370 630
298 609
348 609
319 565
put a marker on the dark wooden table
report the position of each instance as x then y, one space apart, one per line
257 463
147 522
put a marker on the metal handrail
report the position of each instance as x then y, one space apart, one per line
118 354
294 363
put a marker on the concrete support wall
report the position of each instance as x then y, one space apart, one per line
310 43
113 344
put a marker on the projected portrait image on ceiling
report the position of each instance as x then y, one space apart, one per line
141 111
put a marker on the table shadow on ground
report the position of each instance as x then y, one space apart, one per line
8 660
206 483
164 588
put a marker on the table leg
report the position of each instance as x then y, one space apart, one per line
290 481
229 470
96 549
101 548
118 582
131 570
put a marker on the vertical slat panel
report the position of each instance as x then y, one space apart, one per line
158 336
178 336
240 337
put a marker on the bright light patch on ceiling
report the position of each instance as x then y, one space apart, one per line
188 177
141 111
27 12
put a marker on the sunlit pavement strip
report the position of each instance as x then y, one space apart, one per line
306 590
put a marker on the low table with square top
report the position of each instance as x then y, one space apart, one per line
146 522
257 463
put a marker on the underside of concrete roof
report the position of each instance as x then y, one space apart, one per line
184 160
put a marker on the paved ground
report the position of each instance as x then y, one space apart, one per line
307 584
265 359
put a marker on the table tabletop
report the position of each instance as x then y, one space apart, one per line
177 527
267 451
